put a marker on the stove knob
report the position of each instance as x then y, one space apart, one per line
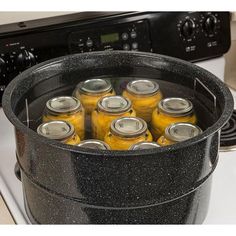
2 66
188 28
209 24
25 60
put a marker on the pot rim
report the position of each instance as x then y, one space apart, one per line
226 113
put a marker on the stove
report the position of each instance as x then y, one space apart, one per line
222 208
223 187
228 135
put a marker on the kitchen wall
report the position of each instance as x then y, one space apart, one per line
230 68
12 17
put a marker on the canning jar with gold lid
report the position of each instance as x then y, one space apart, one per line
144 95
91 90
144 145
126 131
171 110
59 130
109 109
178 132
66 108
94 144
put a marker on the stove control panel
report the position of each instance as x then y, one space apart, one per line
192 36
199 27
129 36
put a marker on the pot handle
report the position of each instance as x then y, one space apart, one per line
198 85
17 171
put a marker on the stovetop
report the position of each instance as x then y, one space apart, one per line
228 134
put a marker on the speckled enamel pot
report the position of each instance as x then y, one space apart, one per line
67 184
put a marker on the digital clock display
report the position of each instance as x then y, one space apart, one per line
109 38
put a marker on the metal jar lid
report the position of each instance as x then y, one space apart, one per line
114 104
144 145
63 104
182 131
94 144
58 130
128 127
143 87
175 107
95 86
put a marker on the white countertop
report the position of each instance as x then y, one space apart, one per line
5 216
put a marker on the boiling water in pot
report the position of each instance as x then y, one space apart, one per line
36 106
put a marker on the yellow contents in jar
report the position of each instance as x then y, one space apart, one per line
101 122
73 140
122 143
89 101
160 121
77 120
144 105
163 141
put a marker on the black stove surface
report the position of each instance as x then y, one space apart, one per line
228 134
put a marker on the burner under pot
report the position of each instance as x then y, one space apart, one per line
228 134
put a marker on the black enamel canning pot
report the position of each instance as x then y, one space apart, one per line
68 184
